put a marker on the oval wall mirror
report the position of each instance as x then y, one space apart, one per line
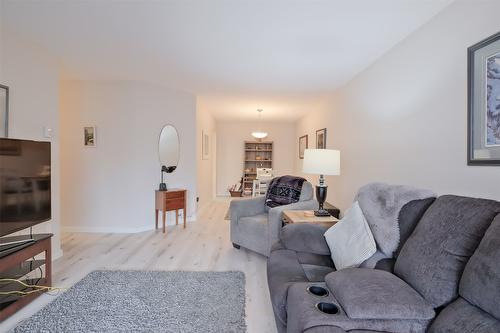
168 148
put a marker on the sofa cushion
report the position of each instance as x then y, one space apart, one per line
305 237
409 216
350 240
460 316
367 293
433 258
480 284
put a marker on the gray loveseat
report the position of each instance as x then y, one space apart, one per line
445 276
256 227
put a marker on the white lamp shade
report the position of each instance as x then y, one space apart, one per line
321 162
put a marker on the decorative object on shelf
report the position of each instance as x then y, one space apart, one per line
4 111
484 102
259 134
168 152
89 136
205 146
321 139
303 145
321 162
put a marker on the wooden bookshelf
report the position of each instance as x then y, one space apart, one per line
257 154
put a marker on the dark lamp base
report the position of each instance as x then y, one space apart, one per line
321 213
163 187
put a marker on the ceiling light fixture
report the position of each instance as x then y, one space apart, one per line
259 134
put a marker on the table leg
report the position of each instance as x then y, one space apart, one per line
48 264
156 218
164 218
184 210
176 217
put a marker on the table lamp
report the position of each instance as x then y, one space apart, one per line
321 162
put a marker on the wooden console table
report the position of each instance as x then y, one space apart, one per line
16 263
173 199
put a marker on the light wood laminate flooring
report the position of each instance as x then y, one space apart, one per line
203 246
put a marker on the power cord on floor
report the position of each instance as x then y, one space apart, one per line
36 288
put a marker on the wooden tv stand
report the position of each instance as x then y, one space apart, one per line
16 263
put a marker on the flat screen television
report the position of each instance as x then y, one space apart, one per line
24 184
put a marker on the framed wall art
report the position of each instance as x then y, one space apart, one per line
205 145
321 139
484 102
303 145
89 136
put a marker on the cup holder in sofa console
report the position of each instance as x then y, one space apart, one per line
328 308
317 291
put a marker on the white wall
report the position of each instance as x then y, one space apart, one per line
403 120
230 153
205 168
33 77
110 188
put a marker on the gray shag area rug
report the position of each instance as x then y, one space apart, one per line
146 301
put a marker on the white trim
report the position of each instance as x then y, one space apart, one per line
120 230
58 253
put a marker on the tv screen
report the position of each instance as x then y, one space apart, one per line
24 184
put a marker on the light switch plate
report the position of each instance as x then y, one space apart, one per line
47 132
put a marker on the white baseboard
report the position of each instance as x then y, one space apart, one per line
58 253
120 230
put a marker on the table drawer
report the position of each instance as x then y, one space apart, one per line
176 203
175 194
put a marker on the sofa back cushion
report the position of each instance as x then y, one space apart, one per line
307 192
434 256
480 284
409 216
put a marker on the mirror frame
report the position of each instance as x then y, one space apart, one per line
179 146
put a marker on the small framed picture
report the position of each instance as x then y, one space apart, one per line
321 138
205 145
89 136
303 145
484 102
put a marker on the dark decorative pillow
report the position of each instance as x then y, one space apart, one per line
284 190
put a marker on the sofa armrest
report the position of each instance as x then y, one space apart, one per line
246 207
305 237
275 213
366 293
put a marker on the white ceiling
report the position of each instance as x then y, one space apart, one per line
229 48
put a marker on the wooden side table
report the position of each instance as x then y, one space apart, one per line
16 263
307 216
173 199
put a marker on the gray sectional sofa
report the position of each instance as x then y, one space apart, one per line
444 277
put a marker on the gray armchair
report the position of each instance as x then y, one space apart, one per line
256 227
